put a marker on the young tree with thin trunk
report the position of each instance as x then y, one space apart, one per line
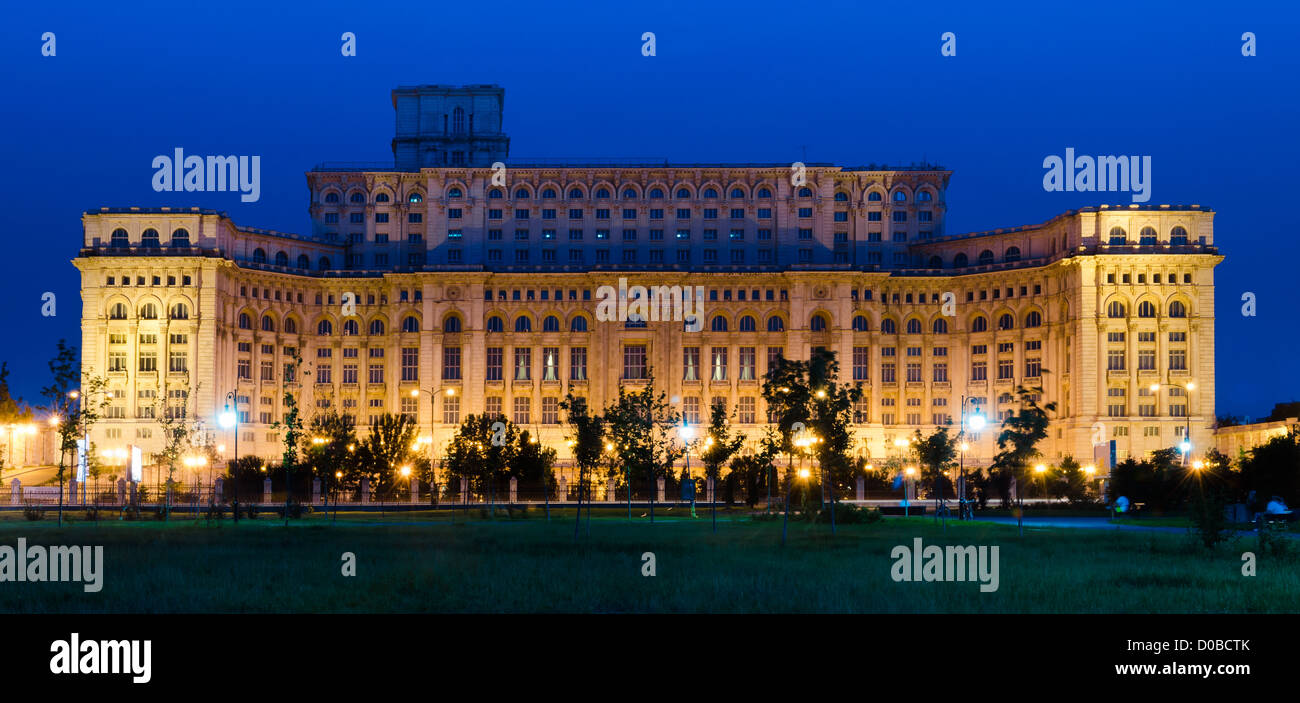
76 409
831 412
936 453
643 428
786 391
587 432
719 446
1018 441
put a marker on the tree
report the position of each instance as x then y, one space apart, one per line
642 426
291 424
1073 482
786 391
830 413
937 454
587 433
383 451
76 410
332 445
533 463
181 434
719 446
1272 469
1019 438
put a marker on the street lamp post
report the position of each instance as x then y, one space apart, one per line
229 419
433 414
1186 445
686 432
974 423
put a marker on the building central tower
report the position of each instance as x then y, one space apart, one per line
441 125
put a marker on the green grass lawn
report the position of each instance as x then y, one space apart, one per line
449 563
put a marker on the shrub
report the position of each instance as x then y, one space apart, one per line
296 510
216 511
33 512
92 513
1209 520
849 514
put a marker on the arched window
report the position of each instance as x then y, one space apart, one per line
1178 235
290 326
381 198
718 324
180 239
411 323
377 327
805 192
455 192
1034 319
656 193
522 194
683 193
960 261
1116 310
737 193
578 324
575 194
496 324
1012 254
245 321
120 239
495 194
748 324
860 323
629 194
888 326
324 328
986 257
979 324
351 328
415 198
450 324
900 196
841 196
179 311
1118 236
1006 322
323 263
924 197
764 192
304 262
358 198
775 324
914 326
331 197
281 259
551 324
117 311
710 192
940 326
1177 309
523 324
259 256
874 197
548 194
149 239
268 324
1148 236
818 323
936 262
1146 309
602 193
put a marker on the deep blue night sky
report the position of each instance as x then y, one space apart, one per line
854 83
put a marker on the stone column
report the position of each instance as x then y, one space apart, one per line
464 491
218 488
708 489
121 491
415 490
72 491
134 494
564 489
16 492
365 490
266 491
315 491
862 488
662 498
609 490
514 490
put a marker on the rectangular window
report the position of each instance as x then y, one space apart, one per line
747 363
691 410
494 361
1115 360
719 364
376 373
1177 359
1006 369
578 364
522 407
861 363
887 372
492 406
1033 368
268 370
634 362
690 363
550 411
979 371
550 363
323 374
523 364
450 364
1146 359
941 372
913 372
243 368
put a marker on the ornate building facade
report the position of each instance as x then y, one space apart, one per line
484 281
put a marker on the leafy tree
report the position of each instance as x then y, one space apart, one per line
77 409
936 454
642 427
1160 482
181 433
587 433
291 426
830 413
331 447
1282 411
1272 469
1018 441
719 446
1073 482
481 451
787 393
533 463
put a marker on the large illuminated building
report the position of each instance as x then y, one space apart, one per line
444 273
